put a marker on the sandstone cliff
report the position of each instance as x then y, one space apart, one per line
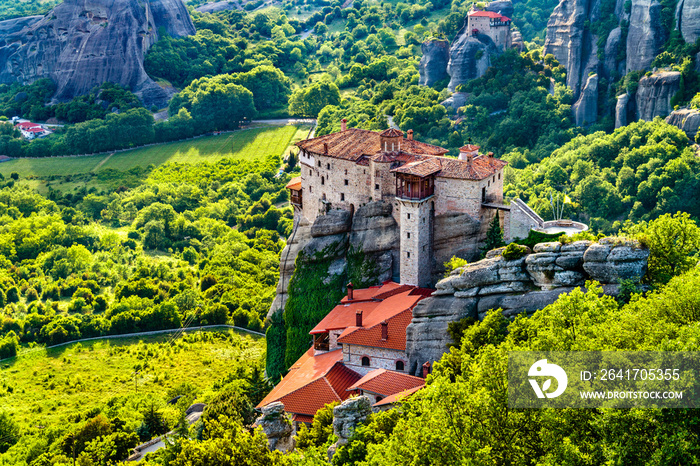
585 109
81 44
688 19
433 63
470 57
686 119
515 286
654 94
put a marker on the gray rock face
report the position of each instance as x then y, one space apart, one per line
504 7
688 19
295 243
654 94
585 109
622 110
569 42
456 100
470 57
515 286
277 426
686 119
334 222
81 44
453 235
646 34
614 45
346 417
433 63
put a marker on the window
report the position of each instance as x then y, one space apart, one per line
499 176
342 196
494 178
323 181
399 365
365 361
488 183
311 189
376 186
408 216
346 171
379 398
346 182
319 164
408 234
328 166
408 254
311 173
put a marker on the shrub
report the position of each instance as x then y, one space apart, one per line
453 264
514 251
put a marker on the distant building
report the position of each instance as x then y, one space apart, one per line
358 348
492 24
31 130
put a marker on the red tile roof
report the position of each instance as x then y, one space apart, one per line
27 124
391 399
384 382
352 143
294 183
447 167
489 14
469 148
313 382
370 334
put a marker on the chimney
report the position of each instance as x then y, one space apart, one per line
468 152
350 290
325 148
426 369
385 330
410 135
343 124
490 155
358 319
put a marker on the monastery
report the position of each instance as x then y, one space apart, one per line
492 24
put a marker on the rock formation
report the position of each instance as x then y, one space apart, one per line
277 427
686 119
623 112
433 63
346 417
218 6
585 109
470 57
646 34
81 44
654 94
519 285
688 19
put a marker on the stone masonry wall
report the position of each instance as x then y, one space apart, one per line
515 286
379 358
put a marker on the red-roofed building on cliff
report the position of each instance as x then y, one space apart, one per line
353 167
358 348
491 24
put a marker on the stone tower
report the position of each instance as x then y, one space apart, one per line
417 219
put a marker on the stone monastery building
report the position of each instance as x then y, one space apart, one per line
492 24
353 167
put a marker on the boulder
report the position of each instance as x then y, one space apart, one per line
433 63
654 94
646 35
687 120
80 45
334 222
456 100
277 426
585 109
346 417
613 260
470 57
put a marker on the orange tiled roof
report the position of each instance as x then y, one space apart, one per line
384 382
370 334
294 183
469 148
391 399
353 143
422 168
313 382
446 167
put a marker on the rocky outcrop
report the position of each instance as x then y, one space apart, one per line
524 284
686 119
504 7
612 66
346 417
453 235
585 109
623 112
277 426
470 57
646 34
456 100
81 44
218 6
688 19
433 63
571 43
363 246
654 94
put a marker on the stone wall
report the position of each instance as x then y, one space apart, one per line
515 286
379 358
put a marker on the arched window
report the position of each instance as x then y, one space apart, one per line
399 365
365 361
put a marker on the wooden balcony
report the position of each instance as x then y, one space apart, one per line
414 188
295 197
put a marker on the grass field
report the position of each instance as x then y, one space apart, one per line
247 144
42 388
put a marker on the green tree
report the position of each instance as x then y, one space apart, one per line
9 432
494 236
309 102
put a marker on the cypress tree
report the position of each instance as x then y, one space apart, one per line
494 236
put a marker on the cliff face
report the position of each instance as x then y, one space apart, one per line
688 19
470 57
586 108
646 34
654 94
521 285
81 44
687 120
433 63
